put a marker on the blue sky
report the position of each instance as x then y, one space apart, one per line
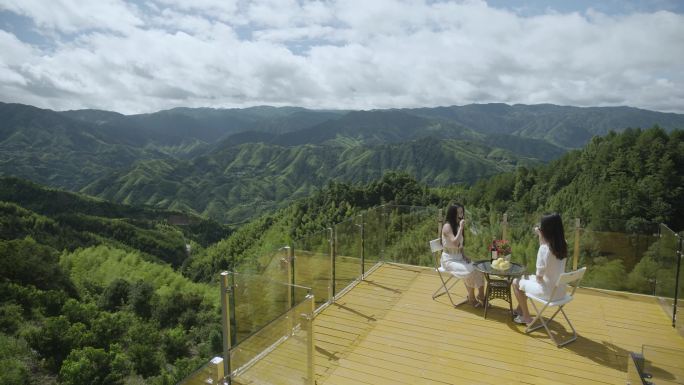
147 55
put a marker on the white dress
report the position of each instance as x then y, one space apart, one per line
453 262
549 267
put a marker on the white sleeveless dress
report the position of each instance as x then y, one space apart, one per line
549 267
453 262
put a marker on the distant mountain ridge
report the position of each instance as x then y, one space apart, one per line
565 126
205 124
50 148
232 163
363 127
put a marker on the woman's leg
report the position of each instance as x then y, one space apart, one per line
471 295
477 280
522 302
480 294
517 309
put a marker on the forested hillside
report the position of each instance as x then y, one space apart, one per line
89 291
48 148
330 205
240 182
634 176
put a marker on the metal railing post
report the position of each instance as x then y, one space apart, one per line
226 293
291 274
504 227
676 293
383 237
311 343
363 245
440 215
575 254
440 218
333 255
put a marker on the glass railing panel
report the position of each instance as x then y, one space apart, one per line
374 236
313 266
272 260
481 229
279 353
661 267
347 253
524 243
409 229
209 373
621 256
257 300
663 365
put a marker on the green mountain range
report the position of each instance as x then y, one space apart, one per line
565 126
239 182
233 164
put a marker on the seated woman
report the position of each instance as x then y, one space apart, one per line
453 259
550 265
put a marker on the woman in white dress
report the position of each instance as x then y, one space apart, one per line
453 259
551 257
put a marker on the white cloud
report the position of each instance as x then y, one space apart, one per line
289 13
75 15
339 54
224 10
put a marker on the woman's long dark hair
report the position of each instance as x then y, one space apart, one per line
552 230
453 219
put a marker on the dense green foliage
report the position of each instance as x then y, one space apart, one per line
67 220
336 202
88 292
620 186
633 177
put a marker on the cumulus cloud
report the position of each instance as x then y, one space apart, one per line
215 9
338 54
76 15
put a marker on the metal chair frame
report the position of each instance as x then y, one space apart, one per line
436 247
571 278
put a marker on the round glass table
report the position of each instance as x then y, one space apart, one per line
499 282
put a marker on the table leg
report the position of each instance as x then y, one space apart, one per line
510 299
487 292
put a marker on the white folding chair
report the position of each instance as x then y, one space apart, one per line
436 247
573 279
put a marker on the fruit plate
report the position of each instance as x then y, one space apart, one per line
501 268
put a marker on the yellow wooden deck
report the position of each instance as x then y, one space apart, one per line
388 330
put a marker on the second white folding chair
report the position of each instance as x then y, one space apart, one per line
436 248
572 278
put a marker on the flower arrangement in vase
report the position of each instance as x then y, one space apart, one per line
503 248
